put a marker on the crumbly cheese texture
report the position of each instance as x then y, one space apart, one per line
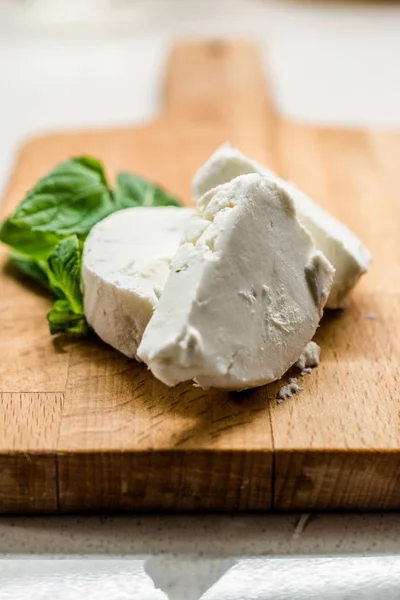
310 357
342 248
245 292
289 390
125 265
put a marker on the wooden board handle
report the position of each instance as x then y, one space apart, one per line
221 83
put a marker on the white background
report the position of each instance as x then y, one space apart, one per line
62 66
81 64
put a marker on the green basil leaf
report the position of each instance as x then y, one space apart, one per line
48 228
35 269
36 244
130 191
133 190
69 200
65 271
91 163
161 198
63 320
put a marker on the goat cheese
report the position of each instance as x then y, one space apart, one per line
342 248
310 357
245 292
125 264
288 390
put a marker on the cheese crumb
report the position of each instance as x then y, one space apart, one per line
289 390
372 316
310 358
306 371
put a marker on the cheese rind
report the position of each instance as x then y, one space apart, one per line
342 248
125 264
238 308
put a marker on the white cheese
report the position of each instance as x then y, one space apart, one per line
245 292
310 357
306 371
289 390
126 261
372 316
341 247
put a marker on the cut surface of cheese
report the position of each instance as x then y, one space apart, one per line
342 248
245 292
125 264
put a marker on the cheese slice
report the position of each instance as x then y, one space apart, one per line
125 264
341 247
245 292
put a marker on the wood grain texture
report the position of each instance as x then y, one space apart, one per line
28 474
337 445
84 428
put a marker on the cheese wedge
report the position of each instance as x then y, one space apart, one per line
342 248
125 264
245 292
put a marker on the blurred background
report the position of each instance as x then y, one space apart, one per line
89 63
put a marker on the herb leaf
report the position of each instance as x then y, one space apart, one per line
69 200
35 269
47 230
133 190
36 244
63 320
65 272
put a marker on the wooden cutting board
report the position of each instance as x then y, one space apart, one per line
83 428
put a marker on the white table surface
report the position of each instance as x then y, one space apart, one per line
328 64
